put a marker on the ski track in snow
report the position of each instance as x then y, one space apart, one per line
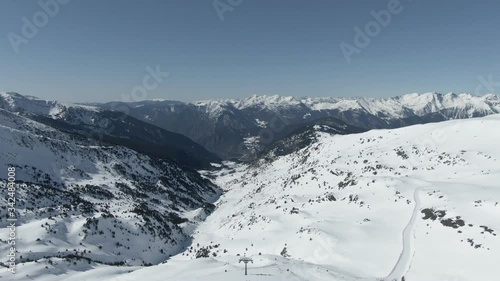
404 262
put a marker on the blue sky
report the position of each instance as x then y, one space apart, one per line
93 50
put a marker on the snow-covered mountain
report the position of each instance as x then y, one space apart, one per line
323 200
420 203
110 126
231 127
327 202
86 202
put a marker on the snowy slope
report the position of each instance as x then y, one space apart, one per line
89 202
233 127
27 104
389 108
421 202
110 126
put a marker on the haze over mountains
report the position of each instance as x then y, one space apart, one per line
324 189
233 128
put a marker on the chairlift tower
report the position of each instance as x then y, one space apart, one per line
246 260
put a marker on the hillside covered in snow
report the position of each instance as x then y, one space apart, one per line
420 203
325 200
87 203
110 126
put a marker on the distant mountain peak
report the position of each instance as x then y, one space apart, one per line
115 127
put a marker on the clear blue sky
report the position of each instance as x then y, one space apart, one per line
94 50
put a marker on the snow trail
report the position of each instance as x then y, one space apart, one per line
404 262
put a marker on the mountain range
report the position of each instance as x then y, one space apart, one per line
86 200
328 189
110 126
409 204
235 128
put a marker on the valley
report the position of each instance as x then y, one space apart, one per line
329 201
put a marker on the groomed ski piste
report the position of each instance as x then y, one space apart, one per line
420 203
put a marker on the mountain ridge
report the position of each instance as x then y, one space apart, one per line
414 203
112 126
223 126
85 200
